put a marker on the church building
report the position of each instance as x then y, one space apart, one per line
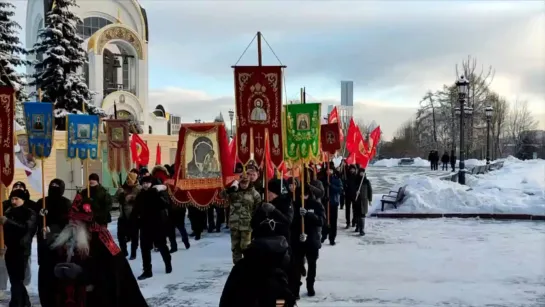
116 37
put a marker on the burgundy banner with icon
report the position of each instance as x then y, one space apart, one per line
7 104
119 153
330 139
258 93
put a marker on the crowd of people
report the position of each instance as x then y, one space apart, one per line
277 229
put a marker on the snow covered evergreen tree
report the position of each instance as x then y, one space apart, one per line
59 75
11 52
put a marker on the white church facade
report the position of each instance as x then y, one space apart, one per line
116 37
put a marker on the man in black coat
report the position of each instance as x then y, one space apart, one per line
351 186
307 243
56 212
101 200
453 160
151 211
19 227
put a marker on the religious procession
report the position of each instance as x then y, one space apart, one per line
275 185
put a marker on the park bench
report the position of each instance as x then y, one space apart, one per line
393 197
405 161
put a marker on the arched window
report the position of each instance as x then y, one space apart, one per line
150 131
90 25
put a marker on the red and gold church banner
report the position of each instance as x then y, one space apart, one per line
330 139
203 165
7 109
119 153
258 93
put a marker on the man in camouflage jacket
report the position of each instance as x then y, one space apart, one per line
243 199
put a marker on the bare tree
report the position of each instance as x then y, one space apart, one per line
519 120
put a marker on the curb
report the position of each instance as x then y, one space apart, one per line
485 216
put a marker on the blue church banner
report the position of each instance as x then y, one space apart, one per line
82 136
40 125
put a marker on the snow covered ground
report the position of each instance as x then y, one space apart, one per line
424 263
518 187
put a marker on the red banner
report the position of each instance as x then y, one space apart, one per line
7 109
335 118
158 155
330 139
139 150
258 92
203 165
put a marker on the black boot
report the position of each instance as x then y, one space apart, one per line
192 234
168 267
362 226
133 255
145 275
197 236
187 245
310 289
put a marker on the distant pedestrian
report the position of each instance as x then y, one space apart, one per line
453 160
445 159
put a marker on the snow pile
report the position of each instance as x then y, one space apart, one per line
518 188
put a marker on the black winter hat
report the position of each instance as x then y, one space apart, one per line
94 177
18 193
147 179
19 184
275 186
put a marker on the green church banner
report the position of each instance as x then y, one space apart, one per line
302 129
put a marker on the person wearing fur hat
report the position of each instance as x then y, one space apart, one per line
151 209
127 228
101 201
19 224
56 211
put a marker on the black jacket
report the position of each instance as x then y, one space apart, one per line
351 186
19 229
56 219
150 210
259 279
283 216
314 220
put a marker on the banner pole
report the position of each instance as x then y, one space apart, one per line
87 173
328 199
44 229
2 196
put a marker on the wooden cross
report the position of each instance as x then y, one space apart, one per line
259 138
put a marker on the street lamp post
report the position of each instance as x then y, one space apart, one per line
463 91
488 113
231 116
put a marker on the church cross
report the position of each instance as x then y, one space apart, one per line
259 138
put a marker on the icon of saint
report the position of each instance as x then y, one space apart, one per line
258 113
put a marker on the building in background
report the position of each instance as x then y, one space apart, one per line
116 36
174 123
347 93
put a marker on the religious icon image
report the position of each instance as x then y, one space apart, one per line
330 137
211 164
117 134
83 131
204 163
303 121
258 112
276 140
244 140
38 122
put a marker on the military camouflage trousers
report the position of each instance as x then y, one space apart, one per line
240 239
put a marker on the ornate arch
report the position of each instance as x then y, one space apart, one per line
117 31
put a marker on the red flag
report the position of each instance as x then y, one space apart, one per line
7 105
335 118
353 137
139 150
374 139
158 155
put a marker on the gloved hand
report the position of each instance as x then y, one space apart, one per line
160 187
302 211
43 212
267 207
3 219
303 237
